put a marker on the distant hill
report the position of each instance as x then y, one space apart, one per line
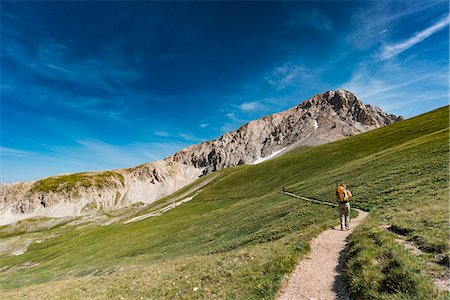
321 119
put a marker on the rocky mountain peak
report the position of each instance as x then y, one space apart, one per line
339 100
348 105
320 119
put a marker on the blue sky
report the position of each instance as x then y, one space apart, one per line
101 85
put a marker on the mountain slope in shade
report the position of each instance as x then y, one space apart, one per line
318 120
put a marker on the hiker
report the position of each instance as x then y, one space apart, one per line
343 197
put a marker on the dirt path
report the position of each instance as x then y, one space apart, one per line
320 275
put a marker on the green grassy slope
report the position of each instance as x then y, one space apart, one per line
239 236
57 184
406 189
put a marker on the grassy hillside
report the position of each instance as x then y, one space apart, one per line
239 236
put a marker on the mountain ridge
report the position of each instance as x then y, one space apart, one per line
322 118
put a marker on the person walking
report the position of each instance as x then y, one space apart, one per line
343 197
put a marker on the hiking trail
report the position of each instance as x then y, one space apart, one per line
320 274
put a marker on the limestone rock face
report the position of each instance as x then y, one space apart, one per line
318 120
323 118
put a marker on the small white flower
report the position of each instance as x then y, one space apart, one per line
195 289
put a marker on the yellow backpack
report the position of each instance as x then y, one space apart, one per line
343 194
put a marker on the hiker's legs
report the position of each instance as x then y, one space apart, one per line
341 209
347 215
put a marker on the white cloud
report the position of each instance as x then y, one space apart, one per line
190 137
287 74
109 71
109 153
391 86
251 106
15 152
232 116
227 127
380 17
101 155
232 123
204 125
416 100
161 133
391 50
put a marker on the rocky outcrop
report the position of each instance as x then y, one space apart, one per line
321 119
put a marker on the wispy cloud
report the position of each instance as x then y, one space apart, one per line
55 82
381 82
377 19
287 74
232 122
416 100
161 133
109 153
5 151
204 125
227 127
390 85
391 50
315 19
101 155
57 62
232 116
190 137
251 106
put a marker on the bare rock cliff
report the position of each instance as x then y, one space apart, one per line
321 119
318 120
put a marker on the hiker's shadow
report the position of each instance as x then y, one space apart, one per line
340 284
